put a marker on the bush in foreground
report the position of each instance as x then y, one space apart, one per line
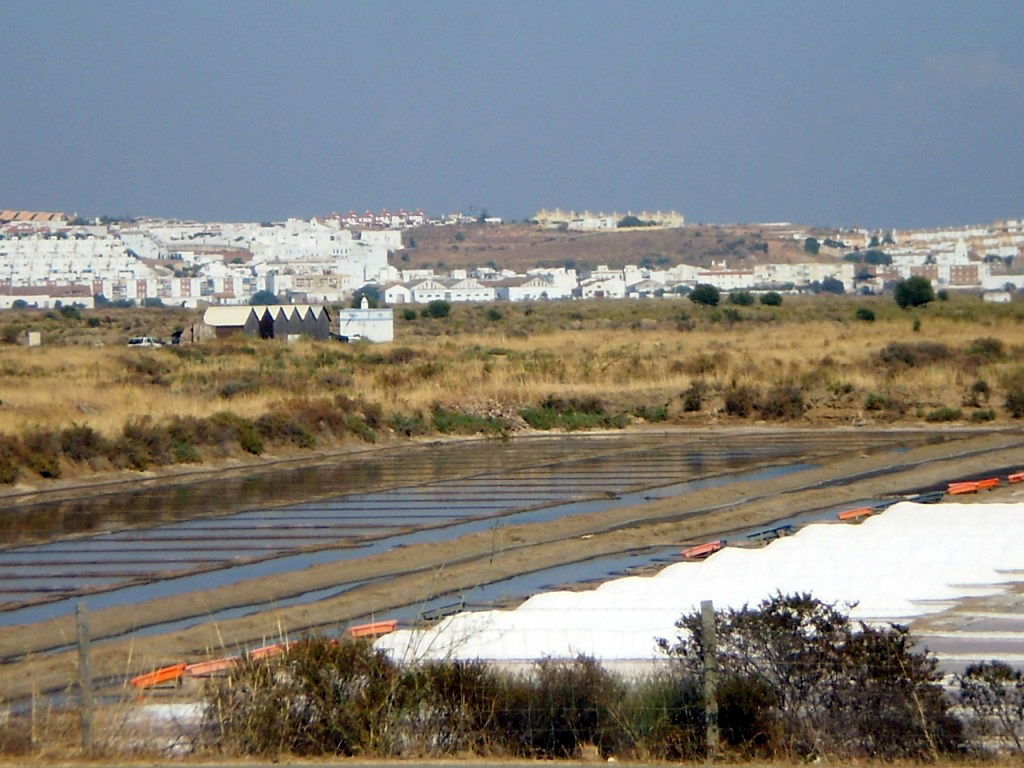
824 686
798 681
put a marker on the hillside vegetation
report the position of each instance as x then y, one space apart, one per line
523 246
495 370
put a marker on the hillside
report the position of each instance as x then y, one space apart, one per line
521 246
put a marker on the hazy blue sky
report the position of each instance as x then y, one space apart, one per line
872 112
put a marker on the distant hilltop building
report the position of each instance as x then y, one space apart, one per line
385 219
33 217
597 222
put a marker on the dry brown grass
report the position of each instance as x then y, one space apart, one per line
628 355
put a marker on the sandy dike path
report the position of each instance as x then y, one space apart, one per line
418 573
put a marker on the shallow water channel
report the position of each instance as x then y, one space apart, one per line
175 541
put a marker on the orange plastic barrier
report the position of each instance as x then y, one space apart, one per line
988 482
268 650
375 629
703 550
208 668
958 488
169 674
856 514
1016 477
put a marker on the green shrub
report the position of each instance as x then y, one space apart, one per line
944 414
665 714
10 462
651 413
1015 400
982 415
987 348
317 698
771 299
741 298
124 453
915 291
992 694
783 403
913 354
740 401
249 439
42 452
978 394
494 314
462 423
410 425
235 387
153 440
876 402
454 709
693 396
437 309
809 681
572 414
706 294
186 453
279 428
408 314
80 442
564 706
358 426
864 314
146 368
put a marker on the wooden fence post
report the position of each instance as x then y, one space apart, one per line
85 678
709 645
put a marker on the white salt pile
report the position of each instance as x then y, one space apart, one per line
911 560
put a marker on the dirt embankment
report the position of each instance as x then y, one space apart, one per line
417 573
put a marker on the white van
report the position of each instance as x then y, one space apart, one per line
143 341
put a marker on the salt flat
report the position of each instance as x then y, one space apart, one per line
909 562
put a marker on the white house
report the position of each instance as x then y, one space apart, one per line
397 293
603 288
996 297
377 325
529 288
727 279
47 296
645 288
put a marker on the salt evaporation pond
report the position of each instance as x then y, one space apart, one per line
909 562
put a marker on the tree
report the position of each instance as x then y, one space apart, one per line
264 297
811 245
771 299
152 301
875 256
705 294
741 298
19 304
629 221
832 285
372 294
915 291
